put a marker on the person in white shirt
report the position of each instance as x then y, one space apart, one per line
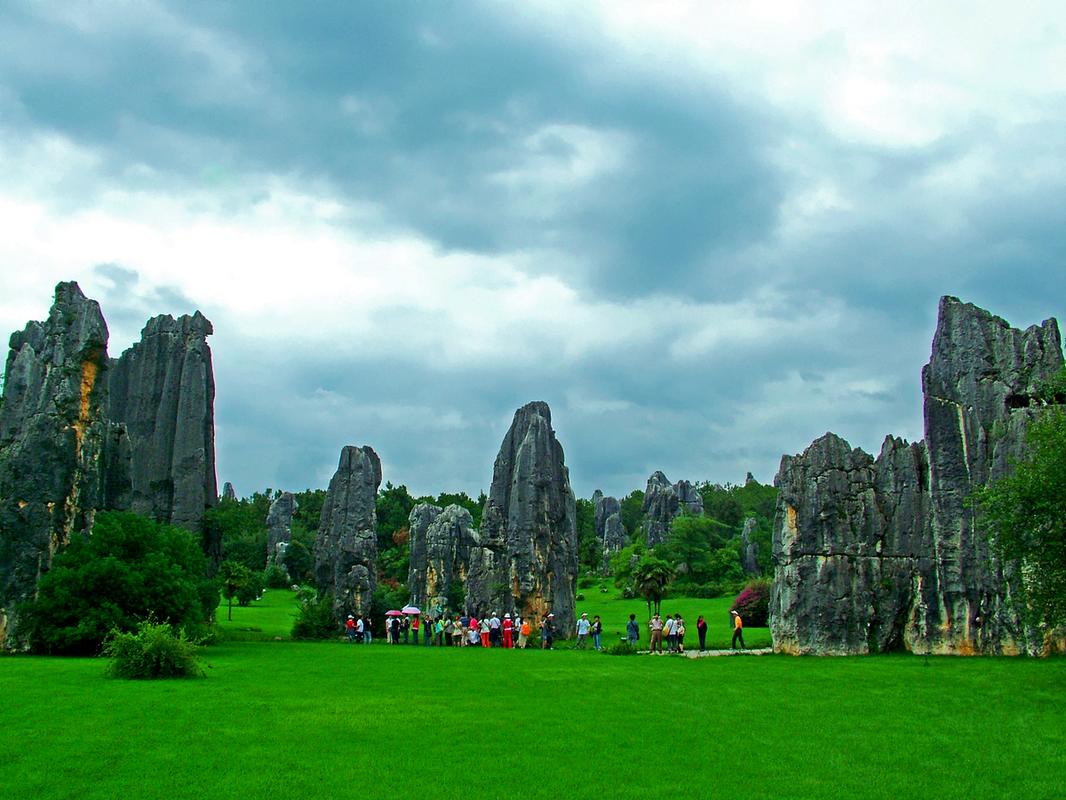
583 626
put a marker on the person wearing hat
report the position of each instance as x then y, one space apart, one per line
583 626
508 632
656 628
494 630
738 631
547 631
349 627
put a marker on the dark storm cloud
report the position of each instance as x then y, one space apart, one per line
421 114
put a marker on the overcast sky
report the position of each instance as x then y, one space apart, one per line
704 233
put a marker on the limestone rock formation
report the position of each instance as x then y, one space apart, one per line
749 549
163 390
346 548
883 554
53 442
663 501
608 526
279 527
526 559
440 554
228 492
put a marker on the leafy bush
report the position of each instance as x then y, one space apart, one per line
154 651
130 569
753 604
580 597
620 649
276 578
251 589
314 618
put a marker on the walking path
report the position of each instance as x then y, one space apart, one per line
758 651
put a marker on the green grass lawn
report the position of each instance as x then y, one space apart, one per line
330 720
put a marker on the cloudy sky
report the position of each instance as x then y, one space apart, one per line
705 233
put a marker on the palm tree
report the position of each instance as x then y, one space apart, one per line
651 577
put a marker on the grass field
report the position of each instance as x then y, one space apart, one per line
328 720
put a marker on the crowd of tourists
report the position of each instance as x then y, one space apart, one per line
507 632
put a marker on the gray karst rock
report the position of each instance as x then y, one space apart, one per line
440 554
663 501
874 555
749 549
608 526
749 479
228 492
977 387
526 559
163 390
279 527
346 548
54 442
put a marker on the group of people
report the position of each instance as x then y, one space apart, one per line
466 630
672 629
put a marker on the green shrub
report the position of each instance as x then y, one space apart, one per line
130 569
580 597
154 651
251 590
314 618
620 649
276 578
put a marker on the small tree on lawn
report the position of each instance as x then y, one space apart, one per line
651 577
234 577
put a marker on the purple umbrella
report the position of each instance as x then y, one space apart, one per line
411 610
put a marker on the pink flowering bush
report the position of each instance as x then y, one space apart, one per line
753 604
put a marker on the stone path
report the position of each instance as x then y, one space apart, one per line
759 651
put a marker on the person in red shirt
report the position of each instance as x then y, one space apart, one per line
414 626
508 631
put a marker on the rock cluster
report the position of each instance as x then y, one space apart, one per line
877 554
72 440
441 541
608 526
279 527
228 492
526 557
346 548
663 501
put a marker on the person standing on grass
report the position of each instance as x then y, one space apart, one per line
508 632
679 633
583 626
597 632
427 631
632 630
464 625
438 628
414 628
494 630
349 628
738 631
656 628
405 626
547 632
701 631
368 630
670 632
523 633
484 627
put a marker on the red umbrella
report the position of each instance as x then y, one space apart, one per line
394 613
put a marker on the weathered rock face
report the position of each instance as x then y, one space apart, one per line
749 549
526 559
440 554
54 442
874 555
228 492
163 390
346 549
608 525
977 388
663 501
279 527
847 547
